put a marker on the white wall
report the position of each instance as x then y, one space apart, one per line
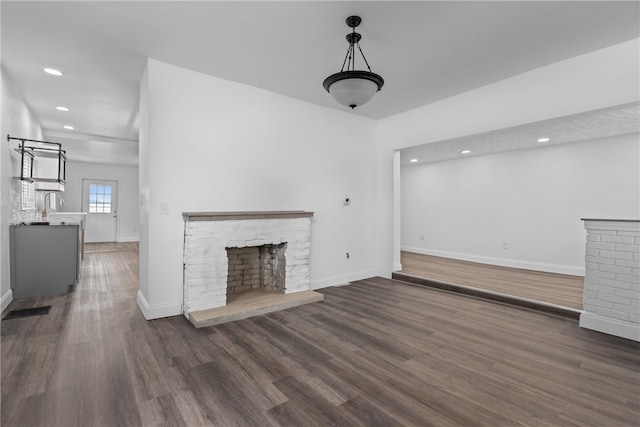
215 145
18 121
127 177
588 82
143 181
532 200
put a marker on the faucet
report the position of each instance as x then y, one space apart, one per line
44 202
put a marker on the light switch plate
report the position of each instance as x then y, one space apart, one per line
164 208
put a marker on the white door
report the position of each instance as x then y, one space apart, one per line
100 202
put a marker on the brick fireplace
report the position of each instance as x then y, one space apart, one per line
229 252
256 267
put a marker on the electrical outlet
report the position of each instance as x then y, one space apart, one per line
347 255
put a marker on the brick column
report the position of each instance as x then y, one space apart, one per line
612 277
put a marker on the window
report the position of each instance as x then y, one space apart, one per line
28 187
99 198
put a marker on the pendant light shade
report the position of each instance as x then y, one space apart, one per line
352 87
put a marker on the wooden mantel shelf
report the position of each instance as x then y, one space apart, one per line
234 216
610 220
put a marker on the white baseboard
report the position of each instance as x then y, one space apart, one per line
128 239
341 280
382 273
527 265
610 326
6 300
157 311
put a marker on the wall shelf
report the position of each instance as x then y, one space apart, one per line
30 150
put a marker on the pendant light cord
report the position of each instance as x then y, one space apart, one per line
347 57
364 57
350 57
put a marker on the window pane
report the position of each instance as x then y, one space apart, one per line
100 198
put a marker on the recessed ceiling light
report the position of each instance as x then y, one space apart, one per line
543 140
53 71
465 151
413 160
69 127
61 108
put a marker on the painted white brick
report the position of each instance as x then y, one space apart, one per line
600 245
613 298
589 280
615 254
603 232
615 268
603 274
627 247
614 314
617 239
589 294
600 260
628 233
627 278
633 263
617 297
628 293
206 262
599 303
625 308
612 283
601 290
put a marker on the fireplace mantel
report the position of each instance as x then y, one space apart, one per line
241 215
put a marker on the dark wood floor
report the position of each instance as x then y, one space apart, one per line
374 353
559 289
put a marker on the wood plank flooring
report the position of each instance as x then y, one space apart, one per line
559 289
374 353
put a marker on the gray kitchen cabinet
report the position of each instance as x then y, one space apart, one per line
44 259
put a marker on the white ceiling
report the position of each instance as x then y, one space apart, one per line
425 50
613 121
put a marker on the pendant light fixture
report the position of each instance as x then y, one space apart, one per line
352 87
